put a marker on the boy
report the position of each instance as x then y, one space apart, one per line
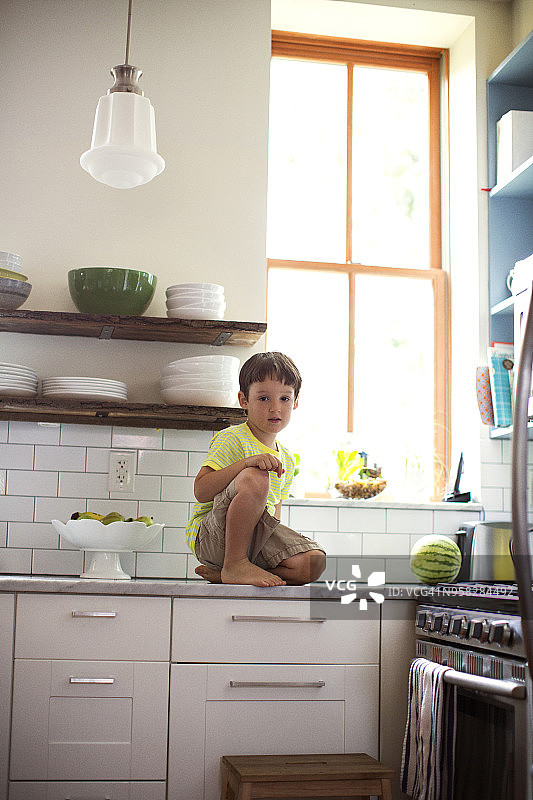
235 529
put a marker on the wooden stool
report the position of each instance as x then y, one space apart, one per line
317 775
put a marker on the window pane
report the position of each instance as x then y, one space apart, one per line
308 320
390 168
307 161
394 381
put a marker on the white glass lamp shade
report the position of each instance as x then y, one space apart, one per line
123 150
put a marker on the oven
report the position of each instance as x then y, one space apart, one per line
484 652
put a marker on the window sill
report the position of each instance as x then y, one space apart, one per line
342 502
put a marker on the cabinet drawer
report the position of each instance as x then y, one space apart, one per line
87 790
91 626
274 682
89 731
270 631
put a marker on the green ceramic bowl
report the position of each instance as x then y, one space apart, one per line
111 290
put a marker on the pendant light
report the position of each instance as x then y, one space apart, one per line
123 150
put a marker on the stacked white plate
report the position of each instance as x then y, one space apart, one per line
196 301
85 389
201 381
16 380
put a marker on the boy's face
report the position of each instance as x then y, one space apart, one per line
269 405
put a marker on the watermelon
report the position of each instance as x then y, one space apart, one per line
435 559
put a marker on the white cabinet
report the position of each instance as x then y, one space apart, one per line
313 688
7 609
90 694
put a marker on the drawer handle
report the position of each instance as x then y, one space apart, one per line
94 613
251 618
277 684
72 679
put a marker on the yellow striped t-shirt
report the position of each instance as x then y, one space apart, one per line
233 444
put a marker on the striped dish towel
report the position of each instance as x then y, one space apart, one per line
428 747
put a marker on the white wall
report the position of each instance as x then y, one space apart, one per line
206 72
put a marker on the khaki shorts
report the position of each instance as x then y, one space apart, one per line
271 542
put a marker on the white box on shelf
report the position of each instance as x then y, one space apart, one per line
514 142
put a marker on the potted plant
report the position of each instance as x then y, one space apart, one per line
355 479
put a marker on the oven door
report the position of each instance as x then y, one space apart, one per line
492 743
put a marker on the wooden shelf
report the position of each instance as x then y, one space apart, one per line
519 185
151 329
145 415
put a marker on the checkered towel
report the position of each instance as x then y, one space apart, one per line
427 759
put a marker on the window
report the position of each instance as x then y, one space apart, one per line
356 290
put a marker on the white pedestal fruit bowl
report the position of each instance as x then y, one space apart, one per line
104 543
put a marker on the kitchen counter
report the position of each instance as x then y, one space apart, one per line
170 588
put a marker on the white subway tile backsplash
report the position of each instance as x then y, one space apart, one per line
408 520
339 544
56 457
14 561
97 459
32 483
16 509
449 521
364 520
34 432
192 563
73 460
89 484
174 514
313 518
3 481
161 462
57 562
186 440
16 456
48 508
491 451
174 540
161 565
388 544
492 498
177 489
86 435
32 534
140 438
147 487
195 462
496 475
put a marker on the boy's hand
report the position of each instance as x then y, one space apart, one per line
267 462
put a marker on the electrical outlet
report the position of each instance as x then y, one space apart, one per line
121 471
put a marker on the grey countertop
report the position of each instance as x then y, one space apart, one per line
169 588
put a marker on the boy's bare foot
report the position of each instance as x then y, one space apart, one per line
245 573
208 573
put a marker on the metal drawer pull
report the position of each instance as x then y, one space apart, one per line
277 684
91 680
487 685
94 613
246 618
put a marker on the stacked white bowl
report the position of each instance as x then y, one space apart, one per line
201 381
196 301
14 286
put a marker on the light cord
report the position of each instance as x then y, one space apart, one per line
128 33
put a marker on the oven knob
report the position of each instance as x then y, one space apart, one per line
458 626
479 629
436 625
421 617
500 633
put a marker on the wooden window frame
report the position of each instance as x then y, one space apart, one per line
434 62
